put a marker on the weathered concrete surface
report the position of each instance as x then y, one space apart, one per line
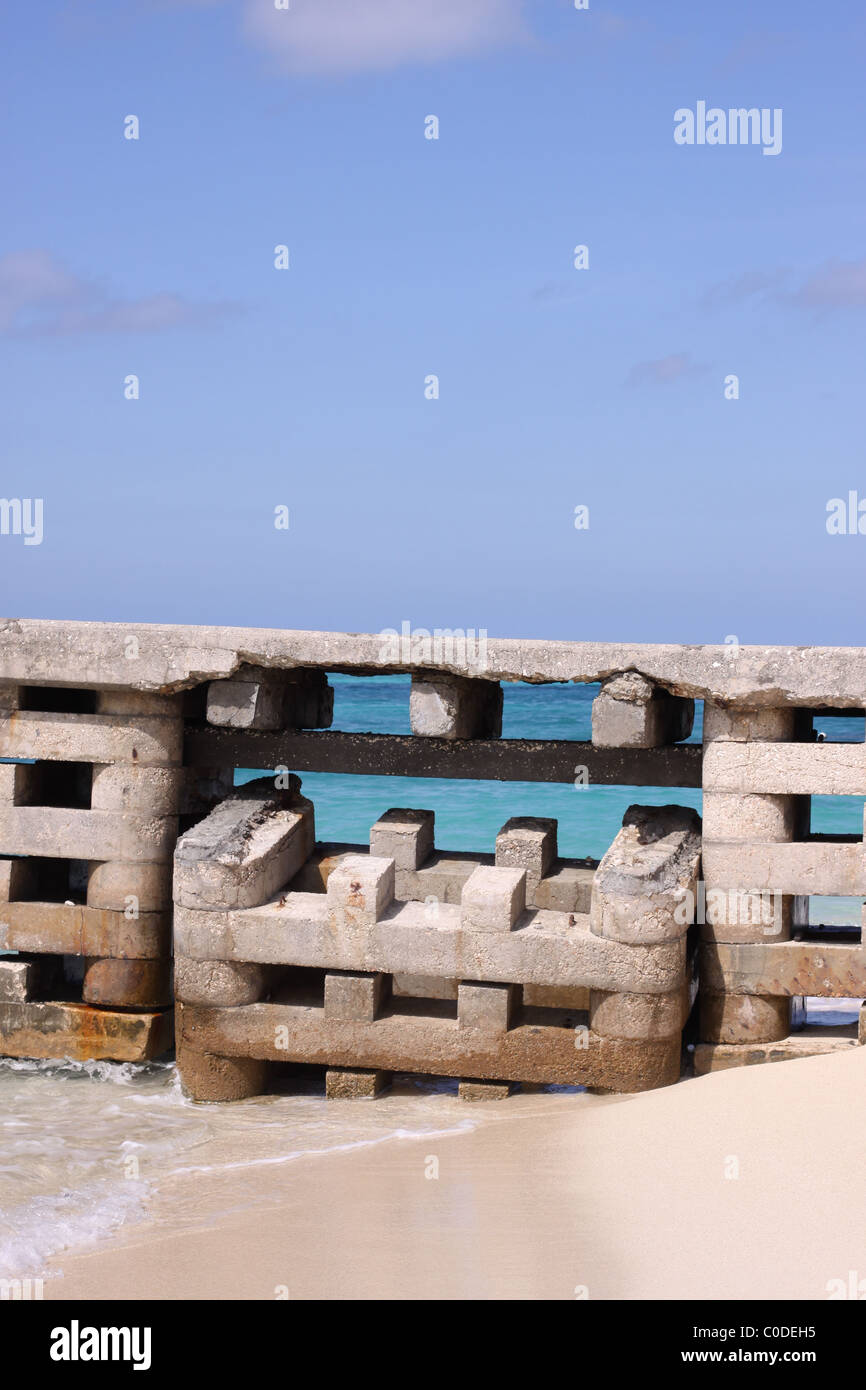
807 868
817 769
638 1016
493 900
355 996
749 817
545 948
82 1032
204 1077
69 833
643 881
342 1083
489 1007
528 842
18 980
246 849
359 892
483 1090
170 657
151 791
91 738
404 835
256 698
420 1043
719 1056
71 929
768 725
744 1018
117 886
632 712
221 982
828 969
448 706
127 984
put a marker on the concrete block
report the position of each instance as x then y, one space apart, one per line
92 738
351 996
575 998
360 890
127 984
742 818
60 832
343 1084
744 1018
528 842
18 980
647 876
445 706
207 1077
122 787
219 982
83 1033
816 868
709 1057
246 850
121 886
405 836
483 1090
493 900
486 1007
256 698
827 969
818 769
71 929
422 987
632 712
637 1016
740 725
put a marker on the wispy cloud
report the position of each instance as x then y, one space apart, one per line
664 370
359 35
40 297
836 284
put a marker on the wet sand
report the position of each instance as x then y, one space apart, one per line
742 1184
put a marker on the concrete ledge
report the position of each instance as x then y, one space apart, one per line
720 1056
83 1033
823 969
65 929
60 832
283 1032
817 769
804 867
91 738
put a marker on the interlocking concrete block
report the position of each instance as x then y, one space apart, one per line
445 706
256 698
355 996
744 1018
548 949
18 980
827 969
91 738
817 868
154 791
61 832
483 1090
638 1016
343 1084
405 836
121 886
740 725
647 875
205 1076
489 1008
407 986
247 849
817 769
631 712
575 998
84 1033
743 818
528 842
127 984
360 891
493 900
219 982
71 929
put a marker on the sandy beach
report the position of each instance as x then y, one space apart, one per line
728 1186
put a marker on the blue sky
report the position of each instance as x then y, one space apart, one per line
410 257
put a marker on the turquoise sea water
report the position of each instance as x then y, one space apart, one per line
469 814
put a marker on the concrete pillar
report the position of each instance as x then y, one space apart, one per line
445 706
488 1008
528 842
342 1083
631 712
484 1090
356 998
258 698
493 899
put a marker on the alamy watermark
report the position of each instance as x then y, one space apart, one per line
735 126
22 516
451 646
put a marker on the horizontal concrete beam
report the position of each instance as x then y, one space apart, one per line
83 1033
418 1043
544 948
721 1056
788 968
90 738
810 868
74 930
62 832
817 769
397 755
168 657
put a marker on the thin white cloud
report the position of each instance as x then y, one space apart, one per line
664 370
835 284
40 298
365 35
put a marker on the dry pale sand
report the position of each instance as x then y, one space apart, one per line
628 1198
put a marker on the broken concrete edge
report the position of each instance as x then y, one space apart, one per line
167 658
